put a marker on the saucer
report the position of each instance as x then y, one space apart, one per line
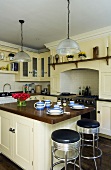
54 111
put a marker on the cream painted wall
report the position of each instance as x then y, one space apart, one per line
70 81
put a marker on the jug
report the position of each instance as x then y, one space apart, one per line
39 105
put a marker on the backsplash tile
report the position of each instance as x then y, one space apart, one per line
73 79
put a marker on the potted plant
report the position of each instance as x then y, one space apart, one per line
82 55
69 57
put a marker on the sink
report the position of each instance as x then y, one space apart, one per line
6 97
5 94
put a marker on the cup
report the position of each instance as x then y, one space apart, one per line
56 106
48 103
39 105
71 103
59 103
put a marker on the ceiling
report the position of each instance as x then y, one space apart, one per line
46 20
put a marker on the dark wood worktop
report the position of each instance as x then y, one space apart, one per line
30 112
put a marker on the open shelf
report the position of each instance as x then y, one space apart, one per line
8 72
84 60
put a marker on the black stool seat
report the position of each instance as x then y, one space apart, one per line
88 123
65 136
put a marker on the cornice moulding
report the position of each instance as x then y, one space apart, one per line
17 47
102 32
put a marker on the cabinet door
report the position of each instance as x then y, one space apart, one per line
55 84
105 84
45 67
6 136
24 72
104 117
23 142
29 71
35 68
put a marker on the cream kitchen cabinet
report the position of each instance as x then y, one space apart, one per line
104 117
29 71
105 84
43 97
44 66
35 97
52 98
17 139
55 84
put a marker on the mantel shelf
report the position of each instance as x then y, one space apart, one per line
84 60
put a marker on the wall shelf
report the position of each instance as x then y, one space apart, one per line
84 60
8 72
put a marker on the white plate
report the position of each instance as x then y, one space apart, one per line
78 107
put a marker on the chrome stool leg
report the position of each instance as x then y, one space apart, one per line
94 151
90 127
66 160
52 158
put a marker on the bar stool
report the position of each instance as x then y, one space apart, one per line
65 147
90 127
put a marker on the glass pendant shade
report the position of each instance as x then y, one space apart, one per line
22 57
68 47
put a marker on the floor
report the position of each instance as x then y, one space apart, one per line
104 144
6 164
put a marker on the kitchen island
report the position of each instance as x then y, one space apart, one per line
26 133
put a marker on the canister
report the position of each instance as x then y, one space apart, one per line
38 89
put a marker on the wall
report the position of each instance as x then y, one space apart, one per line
70 81
15 86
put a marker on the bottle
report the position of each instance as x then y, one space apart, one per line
83 91
59 102
64 102
89 91
23 88
79 90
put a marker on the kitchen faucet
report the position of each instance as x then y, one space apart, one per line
6 85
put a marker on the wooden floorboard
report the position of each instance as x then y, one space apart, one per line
6 164
104 144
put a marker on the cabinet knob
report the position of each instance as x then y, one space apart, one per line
98 111
12 130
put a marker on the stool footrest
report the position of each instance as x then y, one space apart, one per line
92 157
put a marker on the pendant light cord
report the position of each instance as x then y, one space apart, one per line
68 18
21 22
21 36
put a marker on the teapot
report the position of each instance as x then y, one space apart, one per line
39 105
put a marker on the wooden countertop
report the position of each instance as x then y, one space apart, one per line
30 112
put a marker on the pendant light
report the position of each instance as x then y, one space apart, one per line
21 56
68 46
